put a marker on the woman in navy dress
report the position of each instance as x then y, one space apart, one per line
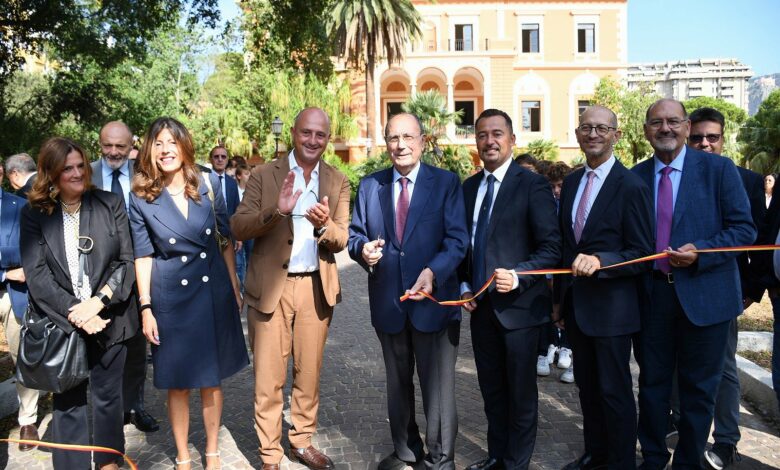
187 286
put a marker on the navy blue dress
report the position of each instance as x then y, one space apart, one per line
201 339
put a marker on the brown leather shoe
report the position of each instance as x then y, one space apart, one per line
311 457
28 432
270 466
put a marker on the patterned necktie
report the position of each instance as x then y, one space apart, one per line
582 208
116 187
478 277
664 212
401 210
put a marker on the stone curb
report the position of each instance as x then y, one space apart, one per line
755 384
755 341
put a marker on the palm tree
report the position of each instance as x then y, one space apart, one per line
431 107
364 31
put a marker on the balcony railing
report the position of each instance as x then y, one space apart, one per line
464 131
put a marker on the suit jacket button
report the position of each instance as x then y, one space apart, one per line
203 255
284 266
183 259
289 242
402 253
172 241
208 231
205 279
184 282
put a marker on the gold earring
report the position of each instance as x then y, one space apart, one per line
53 193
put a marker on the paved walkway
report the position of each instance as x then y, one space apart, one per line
353 426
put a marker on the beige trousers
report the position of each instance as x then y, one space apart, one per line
298 326
28 398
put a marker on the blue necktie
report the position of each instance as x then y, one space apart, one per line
478 277
116 186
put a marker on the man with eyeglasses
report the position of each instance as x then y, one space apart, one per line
606 219
699 203
408 232
707 125
219 158
296 209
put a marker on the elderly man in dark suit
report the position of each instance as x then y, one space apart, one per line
13 304
511 217
409 232
699 203
114 173
606 218
21 170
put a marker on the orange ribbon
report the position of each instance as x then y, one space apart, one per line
75 447
538 272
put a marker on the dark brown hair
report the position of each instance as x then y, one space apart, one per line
44 194
148 179
557 171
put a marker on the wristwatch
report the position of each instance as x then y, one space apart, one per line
103 298
319 231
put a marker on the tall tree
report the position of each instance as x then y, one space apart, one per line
366 31
735 117
760 136
431 107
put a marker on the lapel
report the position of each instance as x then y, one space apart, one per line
567 204
606 195
166 212
420 197
470 189
97 174
689 184
386 205
326 179
53 233
504 196
8 219
281 169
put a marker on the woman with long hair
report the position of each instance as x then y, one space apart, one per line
769 187
77 257
187 283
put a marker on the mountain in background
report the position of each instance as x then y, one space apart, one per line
759 88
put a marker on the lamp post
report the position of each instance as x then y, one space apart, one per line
276 129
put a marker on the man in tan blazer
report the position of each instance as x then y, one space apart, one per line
296 209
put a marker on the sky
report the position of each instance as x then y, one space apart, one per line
663 30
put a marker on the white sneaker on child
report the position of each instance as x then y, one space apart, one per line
542 366
568 376
564 358
551 354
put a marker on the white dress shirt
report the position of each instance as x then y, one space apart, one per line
305 256
412 177
601 173
124 179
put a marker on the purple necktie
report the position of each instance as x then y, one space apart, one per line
401 210
582 208
664 212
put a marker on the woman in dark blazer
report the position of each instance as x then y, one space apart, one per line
187 284
63 209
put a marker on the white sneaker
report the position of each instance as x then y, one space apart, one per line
542 366
551 354
564 358
568 376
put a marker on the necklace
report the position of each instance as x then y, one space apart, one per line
67 207
178 192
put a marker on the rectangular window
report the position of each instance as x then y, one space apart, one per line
393 108
467 118
532 116
581 105
586 37
463 37
530 37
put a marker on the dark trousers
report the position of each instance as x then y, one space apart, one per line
69 421
603 375
434 354
506 369
669 339
135 373
551 334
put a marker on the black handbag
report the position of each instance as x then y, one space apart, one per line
49 358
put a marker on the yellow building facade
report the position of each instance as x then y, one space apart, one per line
539 61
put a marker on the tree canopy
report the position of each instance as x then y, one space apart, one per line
760 136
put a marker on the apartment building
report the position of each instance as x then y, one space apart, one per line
539 61
682 80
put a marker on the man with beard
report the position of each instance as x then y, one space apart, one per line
511 220
114 173
699 203
296 209
605 218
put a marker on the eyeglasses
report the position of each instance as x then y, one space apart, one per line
672 123
394 139
219 157
601 129
316 198
699 138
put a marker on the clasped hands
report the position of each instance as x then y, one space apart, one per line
318 214
84 315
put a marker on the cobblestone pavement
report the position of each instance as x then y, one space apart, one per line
353 427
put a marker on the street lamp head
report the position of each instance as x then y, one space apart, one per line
276 126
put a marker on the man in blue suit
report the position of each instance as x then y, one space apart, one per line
510 213
409 232
13 304
699 203
219 161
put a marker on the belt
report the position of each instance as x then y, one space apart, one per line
662 276
310 273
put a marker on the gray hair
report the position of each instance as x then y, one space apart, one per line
20 162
